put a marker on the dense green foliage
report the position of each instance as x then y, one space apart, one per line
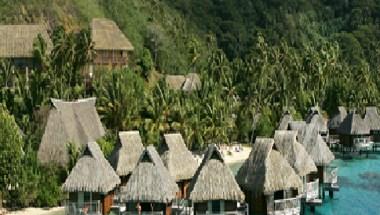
255 58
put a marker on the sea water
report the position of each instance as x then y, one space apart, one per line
359 181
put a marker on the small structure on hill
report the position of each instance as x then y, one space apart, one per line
150 186
266 177
298 158
91 183
372 119
188 83
354 133
126 154
213 189
112 47
75 123
16 44
179 161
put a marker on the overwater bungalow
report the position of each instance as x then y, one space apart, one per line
266 177
75 123
179 161
213 189
336 120
126 154
112 47
284 121
318 150
294 152
90 184
354 133
187 83
150 186
315 116
372 119
16 44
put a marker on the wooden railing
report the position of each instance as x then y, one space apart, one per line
291 206
362 143
86 208
312 190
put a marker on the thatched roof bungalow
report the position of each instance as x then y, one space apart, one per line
213 188
308 135
354 131
75 123
265 176
16 43
335 121
112 47
91 182
372 119
284 121
188 83
150 185
296 155
126 154
179 161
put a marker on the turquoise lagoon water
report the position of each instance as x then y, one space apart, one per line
359 181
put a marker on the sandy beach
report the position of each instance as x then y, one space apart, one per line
38 211
236 157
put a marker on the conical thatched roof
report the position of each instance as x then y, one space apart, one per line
308 135
149 181
91 173
69 122
214 180
353 124
187 83
266 171
125 156
175 82
311 112
177 158
295 153
334 122
192 82
17 40
106 35
372 118
284 122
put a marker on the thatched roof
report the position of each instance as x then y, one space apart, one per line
334 122
175 82
353 124
319 120
311 112
308 135
106 35
17 40
284 122
69 122
177 158
266 171
149 181
214 180
192 82
187 83
372 118
91 173
127 153
295 153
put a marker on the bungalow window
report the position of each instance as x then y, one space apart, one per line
216 206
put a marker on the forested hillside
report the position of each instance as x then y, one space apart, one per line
254 57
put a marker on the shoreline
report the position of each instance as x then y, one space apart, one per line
38 211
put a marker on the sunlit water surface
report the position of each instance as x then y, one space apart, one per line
359 181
